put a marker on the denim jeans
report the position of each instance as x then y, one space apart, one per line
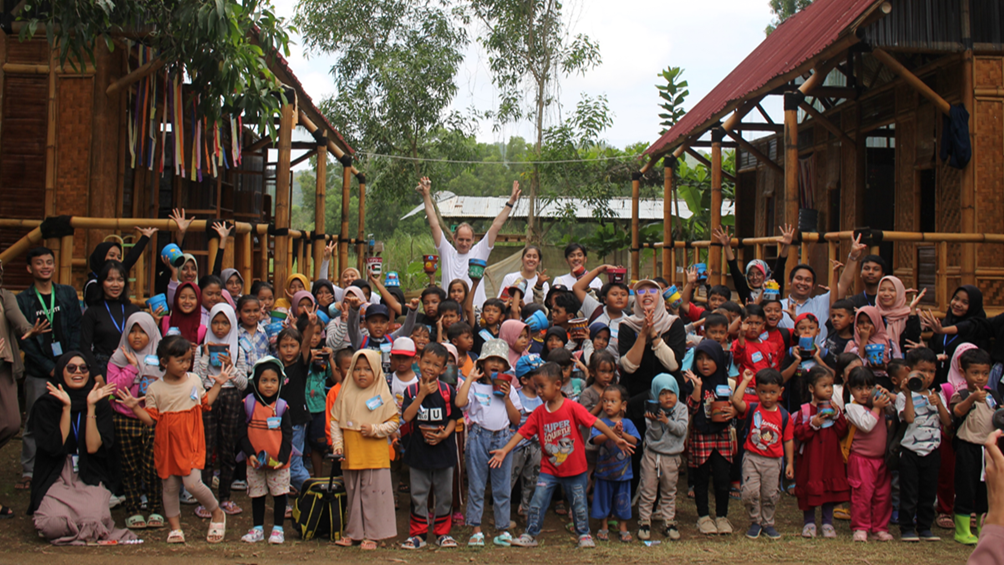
297 472
574 487
480 444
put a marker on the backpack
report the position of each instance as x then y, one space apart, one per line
319 510
751 408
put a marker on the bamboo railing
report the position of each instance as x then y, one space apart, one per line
253 262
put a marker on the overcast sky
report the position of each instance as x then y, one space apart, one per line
637 39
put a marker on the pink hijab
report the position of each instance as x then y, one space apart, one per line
896 315
509 332
956 377
880 336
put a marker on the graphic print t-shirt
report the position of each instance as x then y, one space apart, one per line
562 448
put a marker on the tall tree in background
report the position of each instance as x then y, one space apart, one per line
529 50
784 9
394 75
673 94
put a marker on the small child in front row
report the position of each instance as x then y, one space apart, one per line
769 445
972 411
665 439
175 404
267 443
867 473
430 449
556 425
363 417
613 474
821 479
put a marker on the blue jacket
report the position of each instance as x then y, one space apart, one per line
38 359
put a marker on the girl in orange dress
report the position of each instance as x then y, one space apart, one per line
175 403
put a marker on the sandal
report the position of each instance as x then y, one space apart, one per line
477 540
603 535
368 545
6 512
446 541
23 484
176 536
155 521
136 522
344 542
626 537
560 509
413 543
228 507
217 531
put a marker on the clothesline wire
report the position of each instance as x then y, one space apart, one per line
404 158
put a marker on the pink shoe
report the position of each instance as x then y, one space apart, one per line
883 536
860 535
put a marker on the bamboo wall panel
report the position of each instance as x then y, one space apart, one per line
75 99
906 189
988 160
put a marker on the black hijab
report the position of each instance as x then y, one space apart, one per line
51 450
714 350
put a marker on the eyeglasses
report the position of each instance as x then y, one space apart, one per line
642 291
74 369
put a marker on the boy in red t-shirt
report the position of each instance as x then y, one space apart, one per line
769 443
563 460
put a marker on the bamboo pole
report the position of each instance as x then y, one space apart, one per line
320 193
282 193
967 197
343 244
715 259
791 101
361 244
635 195
669 169
66 260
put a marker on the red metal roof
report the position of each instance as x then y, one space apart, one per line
797 40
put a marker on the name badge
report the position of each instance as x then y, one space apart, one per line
756 357
374 403
273 422
57 349
75 460
723 390
152 360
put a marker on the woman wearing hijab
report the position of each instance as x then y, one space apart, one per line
133 366
965 322
104 321
901 321
75 466
651 340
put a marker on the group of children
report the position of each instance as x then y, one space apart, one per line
530 392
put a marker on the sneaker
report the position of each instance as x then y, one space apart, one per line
829 532
928 535
239 485
909 536
883 536
809 531
644 532
770 532
723 526
754 531
277 536
503 540
586 542
254 535
525 540
706 526
860 535
671 532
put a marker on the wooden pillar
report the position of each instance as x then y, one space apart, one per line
66 260
714 253
668 196
791 102
287 121
319 200
361 245
343 243
967 197
635 240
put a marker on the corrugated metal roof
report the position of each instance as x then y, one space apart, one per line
800 38
474 207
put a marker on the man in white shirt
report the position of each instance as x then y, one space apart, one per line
453 262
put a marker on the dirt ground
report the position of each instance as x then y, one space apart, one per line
22 545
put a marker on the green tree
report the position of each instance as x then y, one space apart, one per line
673 94
784 9
529 51
222 46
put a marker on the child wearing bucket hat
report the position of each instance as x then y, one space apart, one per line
493 406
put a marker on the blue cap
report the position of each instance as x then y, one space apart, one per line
528 364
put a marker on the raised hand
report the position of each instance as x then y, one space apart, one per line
148 232
178 215
99 392
58 393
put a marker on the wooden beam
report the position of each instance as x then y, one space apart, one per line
825 122
144 70
751 149
913 80
704 161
